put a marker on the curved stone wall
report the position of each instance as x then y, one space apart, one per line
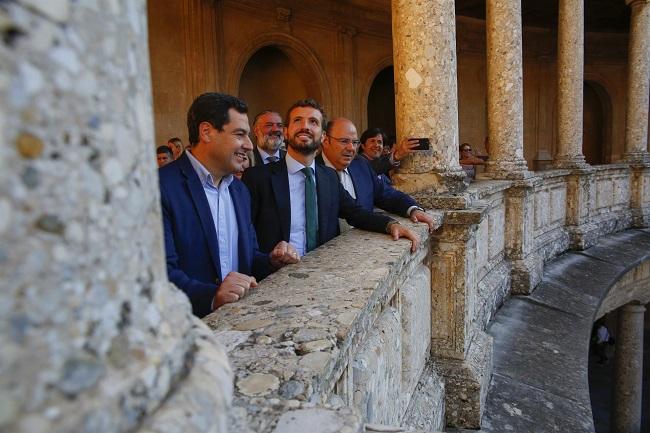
94 338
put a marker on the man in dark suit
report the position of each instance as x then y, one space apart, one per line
210 243
269 137
299 201
372 148
358 178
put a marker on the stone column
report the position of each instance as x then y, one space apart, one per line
426 100
505 91
570 72
94 337
636 124
628 370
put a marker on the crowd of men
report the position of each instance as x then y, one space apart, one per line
223 234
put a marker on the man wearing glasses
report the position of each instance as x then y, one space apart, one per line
269 138
299 201
340 146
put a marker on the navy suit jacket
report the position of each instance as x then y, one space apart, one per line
191 245
271 209
372 192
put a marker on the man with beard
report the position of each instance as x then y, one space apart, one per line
299 201
269 135
210 245
357 177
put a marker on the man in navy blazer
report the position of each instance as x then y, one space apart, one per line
359 179
210 243
269 137
278 191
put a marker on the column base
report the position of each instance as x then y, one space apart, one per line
506 170
586 235
435 190
466 383
641 157
570 162
526 274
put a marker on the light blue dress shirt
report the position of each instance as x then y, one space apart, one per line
223 216
265 155
297 231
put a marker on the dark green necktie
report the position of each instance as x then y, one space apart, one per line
311 211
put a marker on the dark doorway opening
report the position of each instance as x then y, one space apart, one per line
381 102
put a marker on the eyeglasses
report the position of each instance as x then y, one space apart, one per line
345 141
465 150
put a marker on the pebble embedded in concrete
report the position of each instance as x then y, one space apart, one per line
258 384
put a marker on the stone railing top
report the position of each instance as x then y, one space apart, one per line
550 174
482 188
611 167
288 340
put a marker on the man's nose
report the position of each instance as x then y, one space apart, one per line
248 144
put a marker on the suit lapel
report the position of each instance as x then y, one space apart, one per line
203 210
280 186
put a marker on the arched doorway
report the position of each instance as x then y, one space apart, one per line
270 80
594 145
381 102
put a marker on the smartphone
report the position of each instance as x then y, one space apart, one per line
423 144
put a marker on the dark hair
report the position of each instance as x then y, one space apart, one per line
164 149
460 148
369 133
213 108
308 102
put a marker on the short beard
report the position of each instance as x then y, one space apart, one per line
268 146
307 149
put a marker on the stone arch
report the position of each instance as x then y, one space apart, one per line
376 69
301 57
599 86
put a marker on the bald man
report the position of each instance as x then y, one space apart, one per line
340 145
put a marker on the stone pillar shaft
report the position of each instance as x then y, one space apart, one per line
638 85
628 370
426 100
570 72
505 90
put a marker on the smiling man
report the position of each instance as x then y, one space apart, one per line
299 201
269 137
340 145
210 244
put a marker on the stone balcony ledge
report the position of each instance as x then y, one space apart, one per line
290 339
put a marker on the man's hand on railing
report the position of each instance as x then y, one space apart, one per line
396 230
283 254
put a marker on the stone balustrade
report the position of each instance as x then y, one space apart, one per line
371 333
348 326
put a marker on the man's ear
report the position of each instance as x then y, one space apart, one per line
204 131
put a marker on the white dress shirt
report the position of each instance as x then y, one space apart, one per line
297 230
224 217
344 176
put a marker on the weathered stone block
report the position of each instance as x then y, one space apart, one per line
466 383
426 410
377 371
415 312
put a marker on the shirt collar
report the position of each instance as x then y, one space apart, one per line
294 166
330 165
205 176
265 155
